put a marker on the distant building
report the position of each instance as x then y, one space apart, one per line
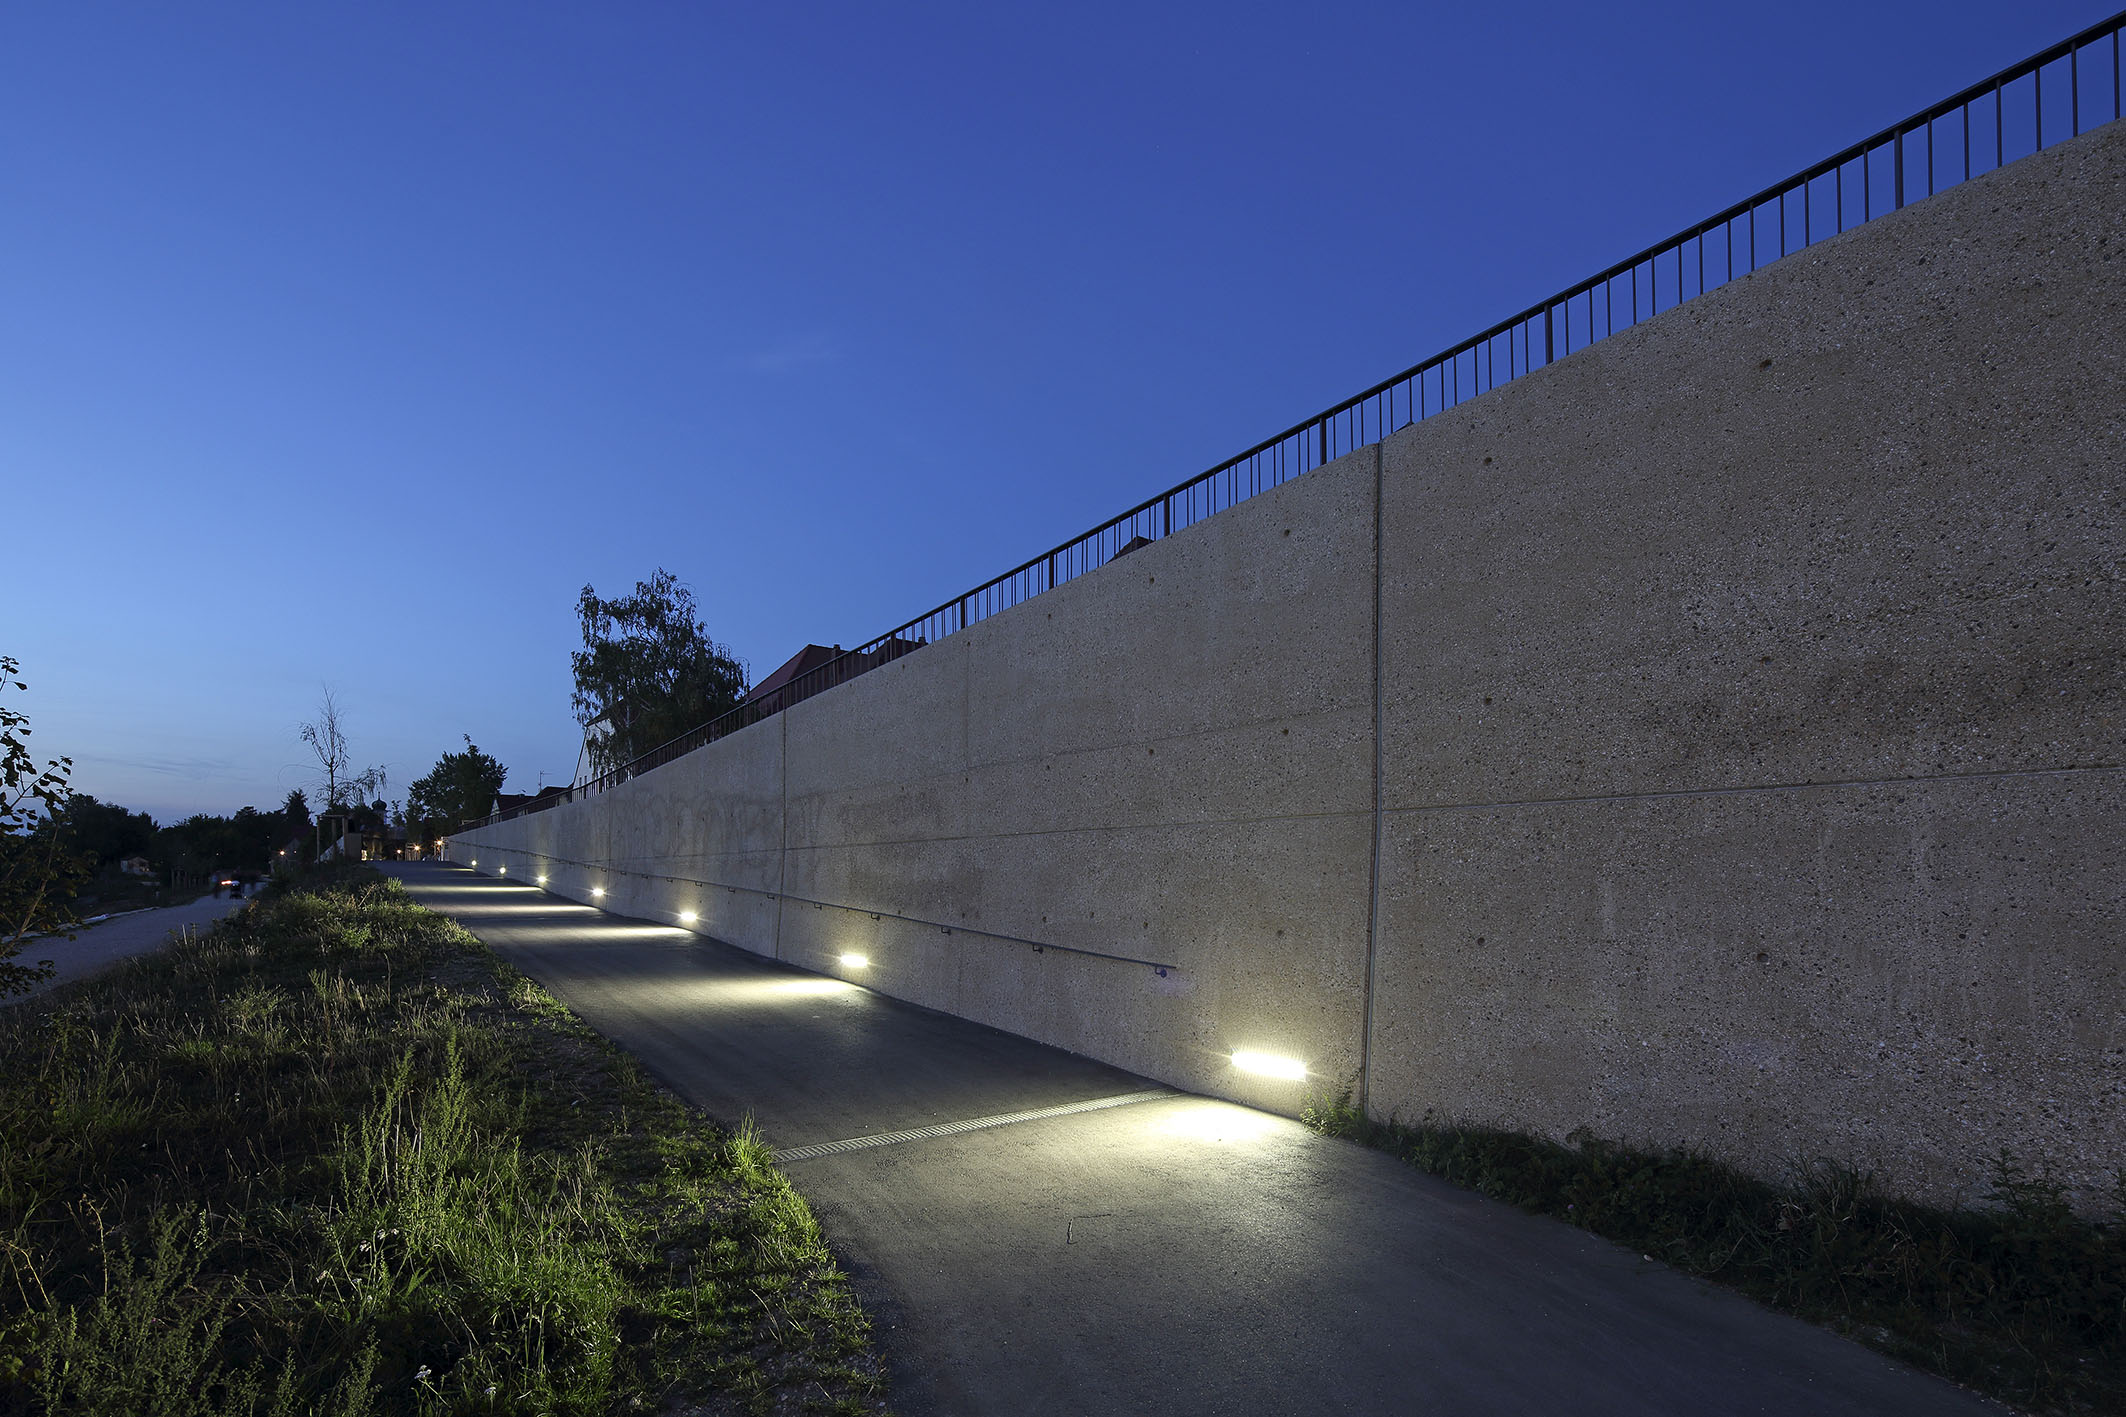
768 695
135 866
797 680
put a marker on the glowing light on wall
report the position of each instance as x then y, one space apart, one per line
501 870
598 892
542 880
687 917
1269 1065
856 961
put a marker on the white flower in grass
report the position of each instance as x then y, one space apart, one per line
422 1376
490 1389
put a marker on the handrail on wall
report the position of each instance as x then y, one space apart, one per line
1873 177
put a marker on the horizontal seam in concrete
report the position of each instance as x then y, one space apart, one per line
1762 788
975 1124
1015 835
612 863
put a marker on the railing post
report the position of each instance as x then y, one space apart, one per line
1898 146
1323 459
1166 517
1549 340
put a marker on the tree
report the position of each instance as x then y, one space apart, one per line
648 669
460 787
327 738
104 831
38 873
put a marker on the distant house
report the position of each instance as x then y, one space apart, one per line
135 866
597 731
768 693
817 667
531 801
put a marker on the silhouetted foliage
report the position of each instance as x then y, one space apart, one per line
326 737
649 670
38 869
104 831
460 787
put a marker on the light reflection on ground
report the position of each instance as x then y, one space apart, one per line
1216 1122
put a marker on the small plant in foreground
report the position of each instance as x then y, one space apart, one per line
335 1158
2025 1300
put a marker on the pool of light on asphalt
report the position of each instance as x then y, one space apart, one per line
1217 1122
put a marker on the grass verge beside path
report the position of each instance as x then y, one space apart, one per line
2025 1302
336 1158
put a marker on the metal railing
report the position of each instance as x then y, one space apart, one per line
1986 126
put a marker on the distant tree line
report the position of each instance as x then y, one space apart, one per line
185 851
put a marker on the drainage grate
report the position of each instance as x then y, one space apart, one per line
976 1124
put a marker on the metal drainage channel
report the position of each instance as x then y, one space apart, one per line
975 1124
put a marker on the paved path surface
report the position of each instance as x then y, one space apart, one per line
103 945
1175 1255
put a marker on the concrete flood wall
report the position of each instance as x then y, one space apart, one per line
1712 739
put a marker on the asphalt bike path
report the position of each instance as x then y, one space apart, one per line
1036 1232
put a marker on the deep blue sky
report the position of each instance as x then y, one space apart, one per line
345 343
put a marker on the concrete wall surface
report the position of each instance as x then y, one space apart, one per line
1713 739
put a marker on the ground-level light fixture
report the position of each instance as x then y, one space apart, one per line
687 917
1269 1065
542 880
853 961
501 870
598 891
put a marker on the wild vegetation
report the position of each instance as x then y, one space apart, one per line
39 871
2025 1300
336 1158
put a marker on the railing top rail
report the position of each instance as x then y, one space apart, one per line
1312 441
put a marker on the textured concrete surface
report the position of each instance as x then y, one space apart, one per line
1182 1256
1835 554
106 945
1751 695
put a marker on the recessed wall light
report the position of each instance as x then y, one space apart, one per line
1269 1065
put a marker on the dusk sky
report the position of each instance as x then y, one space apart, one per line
344 344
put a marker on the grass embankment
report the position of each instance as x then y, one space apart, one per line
2025 1301
337 1158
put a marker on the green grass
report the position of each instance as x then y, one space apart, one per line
2024 1300
334 1157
